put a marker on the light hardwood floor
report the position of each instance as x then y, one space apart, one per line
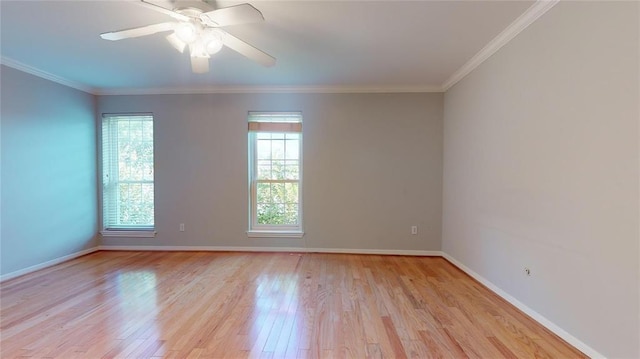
266 305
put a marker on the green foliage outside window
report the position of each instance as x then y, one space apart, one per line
277 203
278 173
135 165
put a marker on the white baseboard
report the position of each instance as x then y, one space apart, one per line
530 312
274 249
513 301
46 264
384 252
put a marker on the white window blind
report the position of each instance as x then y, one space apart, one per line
127 172
275 160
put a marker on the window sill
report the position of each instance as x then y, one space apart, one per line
275 234
125 233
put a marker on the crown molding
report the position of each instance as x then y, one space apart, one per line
265 89
45 75
522 22
214 89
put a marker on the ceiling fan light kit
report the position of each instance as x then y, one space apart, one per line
212 40
199 31
186 32
177 44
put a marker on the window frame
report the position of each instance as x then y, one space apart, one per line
108 230
266 230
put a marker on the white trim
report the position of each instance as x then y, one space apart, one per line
513 301
524 308
274 234
47 264
267 89
522 22
214 89
273 231
45 75
129 234
384 252
393 252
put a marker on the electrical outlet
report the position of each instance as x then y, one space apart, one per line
414 230
181 227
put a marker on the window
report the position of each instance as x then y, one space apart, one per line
275 174
127 175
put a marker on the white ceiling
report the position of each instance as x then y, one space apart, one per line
349 44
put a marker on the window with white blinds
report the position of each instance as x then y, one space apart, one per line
127 172
275 173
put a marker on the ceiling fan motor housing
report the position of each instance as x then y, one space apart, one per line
198 7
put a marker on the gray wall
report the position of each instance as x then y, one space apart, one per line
49 202
541 170
372 168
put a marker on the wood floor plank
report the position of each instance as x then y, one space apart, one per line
262 305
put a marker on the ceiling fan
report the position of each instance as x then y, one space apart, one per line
198 28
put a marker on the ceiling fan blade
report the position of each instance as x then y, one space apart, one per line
160 9
233 15
247 50
138 31
199 65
